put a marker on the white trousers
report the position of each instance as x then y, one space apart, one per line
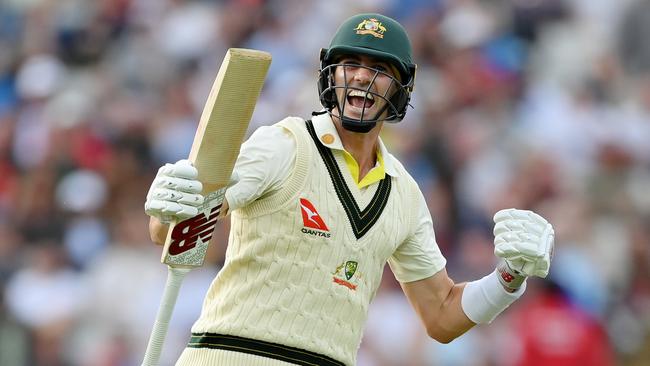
217 357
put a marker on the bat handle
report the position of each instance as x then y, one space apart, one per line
175 277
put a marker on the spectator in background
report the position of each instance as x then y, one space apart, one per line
548 329
15 343
99 86
46 295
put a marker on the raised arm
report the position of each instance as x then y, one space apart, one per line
524 240
264 162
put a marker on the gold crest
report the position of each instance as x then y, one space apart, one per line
371 26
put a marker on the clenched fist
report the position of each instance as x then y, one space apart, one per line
524 240
175 194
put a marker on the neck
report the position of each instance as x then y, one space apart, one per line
362 146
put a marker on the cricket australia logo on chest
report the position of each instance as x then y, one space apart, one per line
313 223
346 275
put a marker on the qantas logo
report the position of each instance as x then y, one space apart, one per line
312 220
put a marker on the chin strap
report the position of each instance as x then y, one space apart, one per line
354 126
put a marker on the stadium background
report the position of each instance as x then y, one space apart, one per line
542 105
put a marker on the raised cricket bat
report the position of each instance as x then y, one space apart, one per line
219 135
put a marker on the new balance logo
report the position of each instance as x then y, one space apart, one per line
505 275
311 219
186 233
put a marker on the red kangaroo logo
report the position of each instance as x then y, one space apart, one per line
186 233
310 217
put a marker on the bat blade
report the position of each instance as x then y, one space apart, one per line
216 145
226 115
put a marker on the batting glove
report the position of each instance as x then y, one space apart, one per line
175 194
525 241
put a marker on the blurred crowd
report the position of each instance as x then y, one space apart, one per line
534 104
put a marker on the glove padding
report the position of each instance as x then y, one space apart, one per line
175 194
525 240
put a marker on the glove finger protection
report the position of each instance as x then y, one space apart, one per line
178 184
520 245
172 210
181 169
503 227
174 193
525 240
511 214
518 226
175 196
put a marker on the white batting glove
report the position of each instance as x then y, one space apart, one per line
175 194
525 241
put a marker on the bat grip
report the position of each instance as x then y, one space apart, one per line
175 277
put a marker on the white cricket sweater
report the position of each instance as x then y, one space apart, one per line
303 263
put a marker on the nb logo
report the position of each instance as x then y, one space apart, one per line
186 233
506 276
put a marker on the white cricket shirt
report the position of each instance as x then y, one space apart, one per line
267 158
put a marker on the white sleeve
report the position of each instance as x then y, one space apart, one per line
264 163
419 256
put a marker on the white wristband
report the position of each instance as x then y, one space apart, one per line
484 299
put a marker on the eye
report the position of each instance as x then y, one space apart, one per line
381 68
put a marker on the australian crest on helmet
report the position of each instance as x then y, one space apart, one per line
371 26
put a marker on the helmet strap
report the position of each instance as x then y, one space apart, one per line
354 125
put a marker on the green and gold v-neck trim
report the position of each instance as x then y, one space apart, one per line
361 221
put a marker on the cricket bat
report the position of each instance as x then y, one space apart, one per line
219 135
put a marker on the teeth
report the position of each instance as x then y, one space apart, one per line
359 93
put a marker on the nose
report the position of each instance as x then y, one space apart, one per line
362 75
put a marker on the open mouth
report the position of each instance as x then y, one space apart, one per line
360 99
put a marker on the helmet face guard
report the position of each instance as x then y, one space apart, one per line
383 39
395 98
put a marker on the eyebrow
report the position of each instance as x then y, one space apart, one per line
358 58
390 68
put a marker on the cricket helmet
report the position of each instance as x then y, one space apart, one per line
376 36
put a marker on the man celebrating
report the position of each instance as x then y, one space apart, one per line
319 207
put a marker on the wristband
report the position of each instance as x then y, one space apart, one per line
484 299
